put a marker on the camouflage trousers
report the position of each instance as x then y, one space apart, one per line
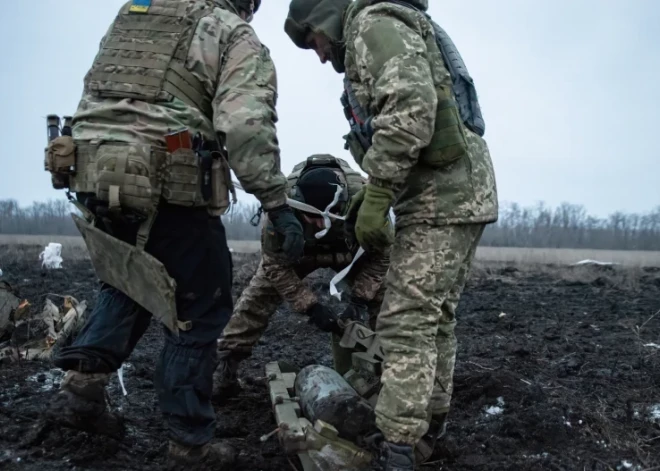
258 303
428 270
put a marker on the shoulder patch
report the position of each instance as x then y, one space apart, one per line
140 6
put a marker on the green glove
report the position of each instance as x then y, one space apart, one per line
372 228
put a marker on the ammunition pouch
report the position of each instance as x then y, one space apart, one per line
60 160
449 142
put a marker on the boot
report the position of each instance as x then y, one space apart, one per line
218 455
225 377
395 457
80 404
388 456
437 429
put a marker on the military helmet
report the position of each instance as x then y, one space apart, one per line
317 187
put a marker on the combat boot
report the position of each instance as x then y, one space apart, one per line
388 456
426 446
80 404
225 377
216 455
395 457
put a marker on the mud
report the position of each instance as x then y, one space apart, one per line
552 373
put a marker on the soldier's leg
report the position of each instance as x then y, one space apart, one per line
251 315
446 339
196 255
248 322
425 265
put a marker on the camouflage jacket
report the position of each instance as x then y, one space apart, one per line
395 68
331 251
237 71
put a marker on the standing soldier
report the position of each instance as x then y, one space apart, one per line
416 130
319 181
179 92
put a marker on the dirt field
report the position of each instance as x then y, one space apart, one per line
553 373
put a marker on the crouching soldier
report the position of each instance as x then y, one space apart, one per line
313 182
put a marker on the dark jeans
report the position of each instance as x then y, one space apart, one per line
193 248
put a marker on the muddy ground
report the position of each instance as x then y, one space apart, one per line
554 372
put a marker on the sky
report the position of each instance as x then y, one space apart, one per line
570 91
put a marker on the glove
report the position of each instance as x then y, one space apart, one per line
351 217
356 311
372 228
324 319
286 224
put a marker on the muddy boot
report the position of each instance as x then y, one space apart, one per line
225 377
216 455
80 404
388 456
426 446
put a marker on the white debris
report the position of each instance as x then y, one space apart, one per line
626 464
595 262
654 412
652 345
498 409
51 256
120 375
0 272
502 314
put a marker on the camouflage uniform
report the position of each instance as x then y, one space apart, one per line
396 70
277 280
230 89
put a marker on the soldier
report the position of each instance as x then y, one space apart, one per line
152 203
314 182
416 130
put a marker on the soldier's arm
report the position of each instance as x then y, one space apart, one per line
370 274
391 61
244 115
288 284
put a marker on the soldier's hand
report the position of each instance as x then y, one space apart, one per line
356 311
373 228
286 224
324 318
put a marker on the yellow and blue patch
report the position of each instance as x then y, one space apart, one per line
140 6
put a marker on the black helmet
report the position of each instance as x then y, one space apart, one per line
316 187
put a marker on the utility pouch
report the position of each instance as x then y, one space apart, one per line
449 142
354 146
182 182
124 176
220 185
60 160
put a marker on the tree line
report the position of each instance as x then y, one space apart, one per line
565 226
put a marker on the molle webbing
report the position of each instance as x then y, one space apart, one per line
144 55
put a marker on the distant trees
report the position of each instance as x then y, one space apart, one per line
569 226
566 226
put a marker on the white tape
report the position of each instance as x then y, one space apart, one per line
342 274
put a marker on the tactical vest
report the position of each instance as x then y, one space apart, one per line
448 143
144 54
143 57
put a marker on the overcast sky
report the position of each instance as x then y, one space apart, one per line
569 91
